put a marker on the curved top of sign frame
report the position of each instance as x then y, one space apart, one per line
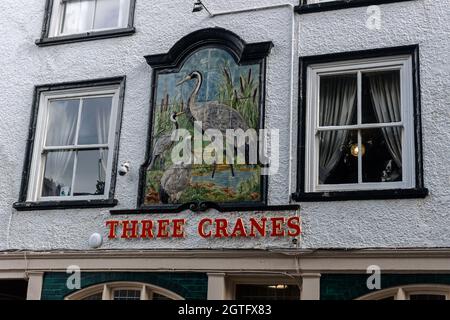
241 51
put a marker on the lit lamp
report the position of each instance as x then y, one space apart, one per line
354 149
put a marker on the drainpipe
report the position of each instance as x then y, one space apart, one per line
291 79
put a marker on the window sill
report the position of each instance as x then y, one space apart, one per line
71 204
340 4
360 195
94 35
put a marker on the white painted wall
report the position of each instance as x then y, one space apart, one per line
350 224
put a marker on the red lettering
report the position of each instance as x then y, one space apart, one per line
294 226
221 228
178 228
261 228
112 228
147 226
277 227
239 229
162 228
127 229
201 228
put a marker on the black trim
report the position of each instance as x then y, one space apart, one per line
22 204
45 40
362 195
204 206
62 205
219 37
94 35
172 61
338 4
419 191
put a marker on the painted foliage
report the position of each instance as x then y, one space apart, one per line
215 85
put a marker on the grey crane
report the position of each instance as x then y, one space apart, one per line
164 143
212 114
174 181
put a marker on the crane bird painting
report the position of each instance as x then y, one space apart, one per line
212 114
164 142
212 87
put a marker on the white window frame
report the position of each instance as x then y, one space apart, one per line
107 289
318 1
405 292
57 18
38 163
403 63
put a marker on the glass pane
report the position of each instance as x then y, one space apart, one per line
337 100
96 296
94 123
382 155
57 180
427 297
267 292
337 165
381 97
62 122
107 14
78 16
127 295
157 296
90 172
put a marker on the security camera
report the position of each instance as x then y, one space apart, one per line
124 168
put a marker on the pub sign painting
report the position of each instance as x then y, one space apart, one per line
210 86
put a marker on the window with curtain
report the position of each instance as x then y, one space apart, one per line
74 144
80 16
75 152
360 134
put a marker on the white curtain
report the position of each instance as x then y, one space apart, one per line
385 93
337 107
62 122
103 115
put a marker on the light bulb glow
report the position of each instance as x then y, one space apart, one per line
354 150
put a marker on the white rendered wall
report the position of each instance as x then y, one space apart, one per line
159 24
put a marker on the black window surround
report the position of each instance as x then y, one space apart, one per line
46 40
23 204
419 191
304 7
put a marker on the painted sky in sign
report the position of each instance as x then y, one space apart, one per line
210 62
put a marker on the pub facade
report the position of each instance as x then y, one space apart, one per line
211 150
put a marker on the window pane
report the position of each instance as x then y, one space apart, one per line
337 165
337 100
267 292
381 97
62 122
107 14
90 172
94 123
382 155
127 294
78 16
57 180
427 297
96 296
157 296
